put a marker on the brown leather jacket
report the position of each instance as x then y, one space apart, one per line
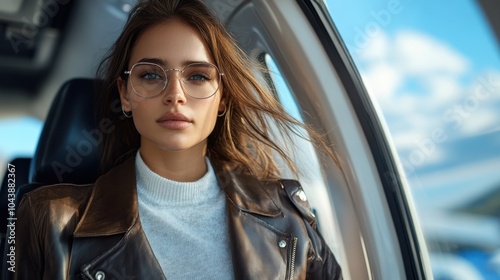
93 231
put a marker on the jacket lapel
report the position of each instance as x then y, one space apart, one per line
130 258
252 208
109 238
245 192
112 208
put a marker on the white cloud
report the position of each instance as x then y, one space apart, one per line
443 89
479 122
419 147
420 54
377 49
406 141
416 79
403 104
382 80
479 106
388 63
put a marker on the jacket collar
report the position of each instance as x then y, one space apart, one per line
113 207
245 191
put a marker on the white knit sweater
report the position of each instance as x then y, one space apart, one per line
185 224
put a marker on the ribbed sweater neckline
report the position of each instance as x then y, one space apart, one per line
160 191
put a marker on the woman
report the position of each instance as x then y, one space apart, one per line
190 188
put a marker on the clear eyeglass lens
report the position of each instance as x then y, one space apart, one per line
199 80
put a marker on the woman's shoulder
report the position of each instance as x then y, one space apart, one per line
68 194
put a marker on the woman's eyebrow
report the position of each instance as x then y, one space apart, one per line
158 61
186 62
164 63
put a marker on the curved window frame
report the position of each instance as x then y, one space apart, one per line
396 190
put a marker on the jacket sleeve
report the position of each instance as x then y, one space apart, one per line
322 263
28 253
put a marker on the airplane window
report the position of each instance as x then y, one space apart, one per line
433 69
19 138
281 89
305 158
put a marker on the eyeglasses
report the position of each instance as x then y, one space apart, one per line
198 80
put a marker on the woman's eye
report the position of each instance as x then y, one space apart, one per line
151 76
198 78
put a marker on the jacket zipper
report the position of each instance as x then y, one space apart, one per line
85 275
292 258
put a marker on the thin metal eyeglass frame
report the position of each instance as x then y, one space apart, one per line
128 72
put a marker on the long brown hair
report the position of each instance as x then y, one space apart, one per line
243 136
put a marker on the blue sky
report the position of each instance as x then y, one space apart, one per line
19 136
422 60
455 22
427 64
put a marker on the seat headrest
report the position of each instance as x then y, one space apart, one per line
69 146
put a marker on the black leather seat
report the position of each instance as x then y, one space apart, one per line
68 149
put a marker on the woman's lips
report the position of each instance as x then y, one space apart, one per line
174 121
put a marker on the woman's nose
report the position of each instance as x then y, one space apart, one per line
174 93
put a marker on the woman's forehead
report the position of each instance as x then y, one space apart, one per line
172 43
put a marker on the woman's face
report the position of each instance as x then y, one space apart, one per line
172 121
